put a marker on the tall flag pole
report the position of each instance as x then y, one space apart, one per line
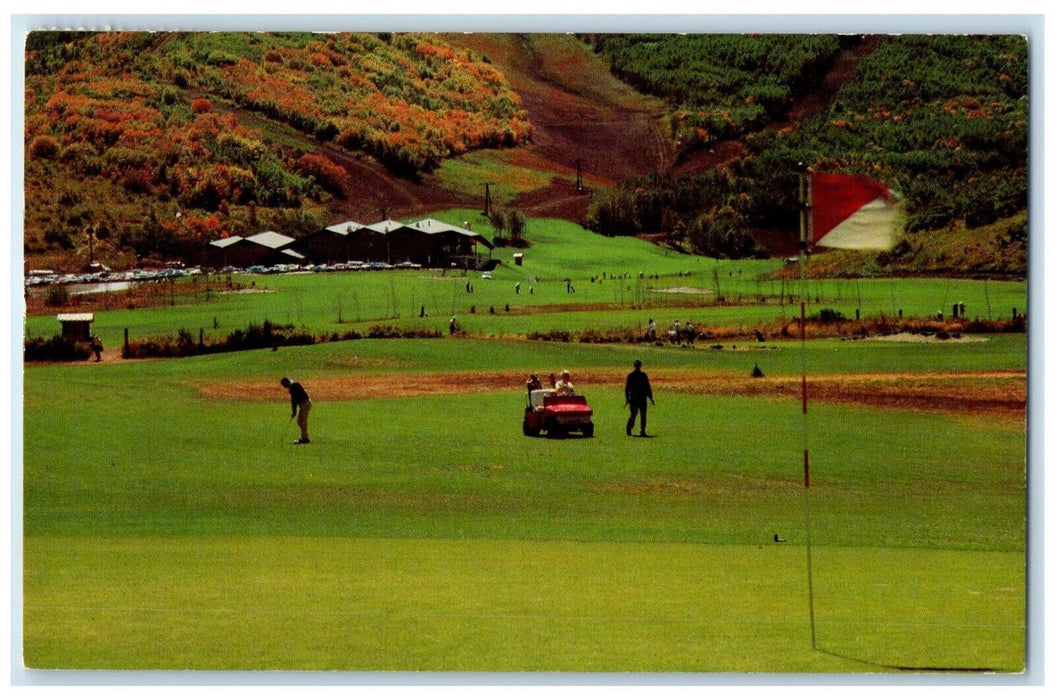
805 239
836 211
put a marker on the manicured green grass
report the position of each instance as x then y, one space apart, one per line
297 603
166 530
618 283
225 469
337 302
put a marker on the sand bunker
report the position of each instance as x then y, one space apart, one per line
683 290
977 393
929 338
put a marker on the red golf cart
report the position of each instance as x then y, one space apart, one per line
557 415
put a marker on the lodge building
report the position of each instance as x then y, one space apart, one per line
428 242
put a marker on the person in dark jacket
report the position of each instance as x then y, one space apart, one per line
301 404
638 393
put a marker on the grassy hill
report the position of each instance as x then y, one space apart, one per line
997 250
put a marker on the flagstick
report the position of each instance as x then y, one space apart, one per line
805 198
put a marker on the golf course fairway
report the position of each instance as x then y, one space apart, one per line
170 523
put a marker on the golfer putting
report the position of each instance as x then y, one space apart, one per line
301 406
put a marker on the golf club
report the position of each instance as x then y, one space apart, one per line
285 431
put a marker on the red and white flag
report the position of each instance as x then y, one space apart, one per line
851 211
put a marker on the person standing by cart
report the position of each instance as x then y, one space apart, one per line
638 392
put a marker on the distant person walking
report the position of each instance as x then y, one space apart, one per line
97 348
638 393
301 405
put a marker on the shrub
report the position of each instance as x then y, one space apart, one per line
328 175
554 335
516 222
57 295
137 180
256 337
43 148
1016 233
829 316
387 332
326 131
266 335
57 235
169 96
56 349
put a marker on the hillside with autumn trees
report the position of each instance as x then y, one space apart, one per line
149 144
158 142
942 120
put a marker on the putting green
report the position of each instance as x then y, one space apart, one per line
297 603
